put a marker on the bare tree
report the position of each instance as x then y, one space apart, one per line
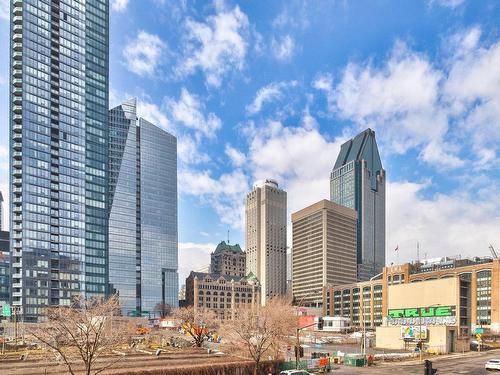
85 333
198 323
164 309
263 332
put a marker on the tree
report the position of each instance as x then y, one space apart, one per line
199 324
83 332
263 332
164 309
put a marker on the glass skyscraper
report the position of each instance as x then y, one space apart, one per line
357 181
143 212
58 138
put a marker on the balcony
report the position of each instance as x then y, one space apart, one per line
17 172
18 10
17 28
18 218
17 294
18 201
17 56
17 181
18 128
17 137
17 3
17 109
17 91
17 190
17 118
17 82
17 37
17 73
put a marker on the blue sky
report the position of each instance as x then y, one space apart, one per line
261 89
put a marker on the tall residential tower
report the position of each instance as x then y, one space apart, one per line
58 151
357 181
265 235
143 211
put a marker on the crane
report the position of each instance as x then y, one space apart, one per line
493 252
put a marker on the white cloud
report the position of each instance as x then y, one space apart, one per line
119 5
4 159
224 194
144 53
268 93
299 158
188 111
193 257
217 45
472 91
444 225
402 99
452 4
283 48
4 9
188 151
237 157
153 113
449 111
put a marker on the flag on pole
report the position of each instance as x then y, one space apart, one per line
397 248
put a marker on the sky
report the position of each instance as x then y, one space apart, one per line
261 89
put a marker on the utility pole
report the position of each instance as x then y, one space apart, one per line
15 328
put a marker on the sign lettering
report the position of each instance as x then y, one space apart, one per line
422 312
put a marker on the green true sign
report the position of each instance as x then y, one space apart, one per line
422 312
6 310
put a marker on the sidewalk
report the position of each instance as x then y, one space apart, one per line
436 358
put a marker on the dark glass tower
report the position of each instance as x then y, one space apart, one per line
58 137
143 212
357 181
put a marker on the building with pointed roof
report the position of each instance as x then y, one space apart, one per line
357 181
226 288
228 260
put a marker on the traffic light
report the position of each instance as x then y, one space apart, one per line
299 352
428 370
320 324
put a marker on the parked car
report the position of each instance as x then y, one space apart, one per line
295 372
474 344
492 364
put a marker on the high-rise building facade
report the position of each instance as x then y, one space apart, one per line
143 212
265 236
228 260
324 250
357 181
4 268
1 211
58 151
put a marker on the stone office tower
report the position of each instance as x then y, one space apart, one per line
265 236
59 52
143 255
357 181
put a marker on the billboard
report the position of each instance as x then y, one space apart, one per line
414 333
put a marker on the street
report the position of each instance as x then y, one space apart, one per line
470 364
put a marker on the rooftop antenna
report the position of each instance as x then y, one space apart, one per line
493 252
418 252
228 236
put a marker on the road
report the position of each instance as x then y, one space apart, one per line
470 364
